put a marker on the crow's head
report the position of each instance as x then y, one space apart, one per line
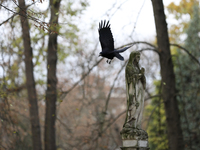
104 54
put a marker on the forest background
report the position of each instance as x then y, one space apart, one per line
56 93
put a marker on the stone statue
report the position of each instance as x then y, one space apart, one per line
135 87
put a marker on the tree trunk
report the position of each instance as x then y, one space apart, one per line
175 137
30 81
51 93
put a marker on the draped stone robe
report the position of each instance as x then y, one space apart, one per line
135 87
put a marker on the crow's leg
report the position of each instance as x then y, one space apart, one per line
108 61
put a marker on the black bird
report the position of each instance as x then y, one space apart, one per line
107 43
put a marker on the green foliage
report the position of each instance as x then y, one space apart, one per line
187 80
184 7
12 65
23 143
193 39
188 84
156 128
182 13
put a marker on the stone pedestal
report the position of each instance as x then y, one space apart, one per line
135 145
134 139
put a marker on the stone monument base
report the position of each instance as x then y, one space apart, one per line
134 139
135 145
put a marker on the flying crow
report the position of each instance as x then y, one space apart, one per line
107 43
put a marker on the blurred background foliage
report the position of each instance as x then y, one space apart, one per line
185 33
91 94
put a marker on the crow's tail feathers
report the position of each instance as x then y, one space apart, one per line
119 56
123 49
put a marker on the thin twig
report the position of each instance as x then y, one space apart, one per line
150 97
140 42
64 93
194 58
111 89
8 19
113 121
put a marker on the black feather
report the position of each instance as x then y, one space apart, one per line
107 42
105 36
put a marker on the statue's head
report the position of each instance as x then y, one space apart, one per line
134 57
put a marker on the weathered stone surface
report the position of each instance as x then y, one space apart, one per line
134 148
133 134
130 143
142 143
135 87
134 138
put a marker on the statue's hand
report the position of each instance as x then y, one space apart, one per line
142 70
139 76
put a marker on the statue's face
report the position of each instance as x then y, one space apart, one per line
137 58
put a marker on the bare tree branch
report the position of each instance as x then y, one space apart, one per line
137 19
17 13
64 93
26 15
147 49
111 122
194 58
150 97
111 89
141 42
8 19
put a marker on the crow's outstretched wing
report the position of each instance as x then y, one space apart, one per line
105 36
123 49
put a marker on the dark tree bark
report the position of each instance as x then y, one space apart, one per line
175 137
51 93
30 81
